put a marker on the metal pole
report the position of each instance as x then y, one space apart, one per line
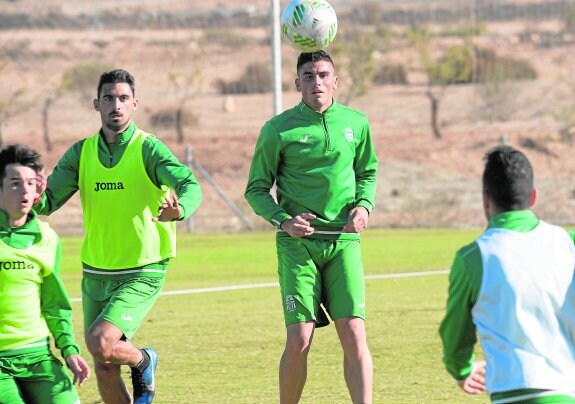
276 57
198 168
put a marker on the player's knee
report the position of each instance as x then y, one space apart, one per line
106 370
99 347
298 345
352 333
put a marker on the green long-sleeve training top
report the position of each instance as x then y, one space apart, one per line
161 166
321 163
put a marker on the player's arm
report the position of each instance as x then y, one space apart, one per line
457 330
57 311
365 168
164 168
62 183
263 173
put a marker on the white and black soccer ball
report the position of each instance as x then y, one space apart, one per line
308 25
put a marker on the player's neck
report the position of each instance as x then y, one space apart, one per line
17 220
111 135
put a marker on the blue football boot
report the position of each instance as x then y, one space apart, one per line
144 383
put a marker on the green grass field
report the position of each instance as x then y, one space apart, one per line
224 346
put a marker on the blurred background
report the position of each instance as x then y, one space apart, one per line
441 81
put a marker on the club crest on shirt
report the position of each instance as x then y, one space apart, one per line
348 134
305 139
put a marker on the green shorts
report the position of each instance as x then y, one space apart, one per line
35 378
124 303
315 273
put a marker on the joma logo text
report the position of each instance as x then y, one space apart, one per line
108 186
12 265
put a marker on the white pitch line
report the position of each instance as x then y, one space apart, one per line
275 284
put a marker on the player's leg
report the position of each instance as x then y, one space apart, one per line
105 344
110 384
357 362
293 363
42 378
9 391
345 300
95 296
300 286
109 352
107 338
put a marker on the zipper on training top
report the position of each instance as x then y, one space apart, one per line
326 132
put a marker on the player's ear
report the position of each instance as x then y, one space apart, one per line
486 205
335 81
96 105
486 200
297 87
534 197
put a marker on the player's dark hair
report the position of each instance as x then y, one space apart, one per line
19 154
508 178
116 76
307 57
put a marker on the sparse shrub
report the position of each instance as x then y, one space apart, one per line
367 13
166 118
165 43
464 30
83 79
257 78
460 66
384 36
357 45
374 39
391 74
101 44
15 50
453 68
489 67
227 38
569 19
162 119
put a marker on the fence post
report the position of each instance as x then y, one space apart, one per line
190 220
199 169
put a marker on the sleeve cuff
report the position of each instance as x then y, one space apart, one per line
365 204
279 218
182 215
70 350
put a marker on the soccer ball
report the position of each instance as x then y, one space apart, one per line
308 25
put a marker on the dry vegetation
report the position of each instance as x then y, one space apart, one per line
423 181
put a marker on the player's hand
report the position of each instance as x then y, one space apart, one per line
475 382
79 368
357 220
40 185
299 226
170 210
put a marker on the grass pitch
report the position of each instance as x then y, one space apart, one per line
224 346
